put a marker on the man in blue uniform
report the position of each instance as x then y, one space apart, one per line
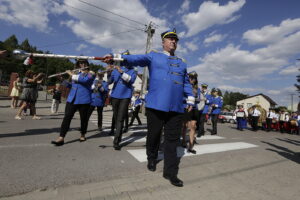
122 90
216 104
168 83
203 106
100 91
79 99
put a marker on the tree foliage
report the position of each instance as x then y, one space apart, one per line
230 99
46 65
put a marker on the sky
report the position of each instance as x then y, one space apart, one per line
248 46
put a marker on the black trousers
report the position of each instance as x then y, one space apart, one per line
255 122
69 113
120 111
269 124
172 123
281 126
214 120
135 115
201 124
100 114
112 128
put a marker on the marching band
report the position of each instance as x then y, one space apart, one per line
174 102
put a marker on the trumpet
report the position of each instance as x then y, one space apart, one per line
18 53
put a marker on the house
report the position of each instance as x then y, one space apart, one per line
263 100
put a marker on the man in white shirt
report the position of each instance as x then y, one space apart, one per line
270 116
255 116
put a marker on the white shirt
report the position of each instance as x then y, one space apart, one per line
256 113
271 115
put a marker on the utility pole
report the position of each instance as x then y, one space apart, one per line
292 102
150 32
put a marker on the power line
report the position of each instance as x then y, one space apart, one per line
101 16
112 12
75 41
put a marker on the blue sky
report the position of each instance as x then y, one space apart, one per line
249 46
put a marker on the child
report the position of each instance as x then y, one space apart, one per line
56 92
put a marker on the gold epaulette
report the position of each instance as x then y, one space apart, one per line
183 60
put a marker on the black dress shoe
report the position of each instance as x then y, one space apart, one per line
117 147
60 143
192 151
174 180
125 130
151 165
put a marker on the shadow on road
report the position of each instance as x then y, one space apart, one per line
284 152
295 142
29 132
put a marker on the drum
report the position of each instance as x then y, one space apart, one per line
240 114
294 122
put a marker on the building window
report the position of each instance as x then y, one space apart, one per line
249 105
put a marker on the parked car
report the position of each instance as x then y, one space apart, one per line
229 117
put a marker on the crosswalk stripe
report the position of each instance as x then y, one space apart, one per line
143 138
140 154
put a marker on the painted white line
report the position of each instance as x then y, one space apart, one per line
24 145
143 138
140 154
210 137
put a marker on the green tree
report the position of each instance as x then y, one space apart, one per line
11 43
230 98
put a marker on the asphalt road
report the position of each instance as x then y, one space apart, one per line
29 162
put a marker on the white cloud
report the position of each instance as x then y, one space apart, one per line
235 64
210 14
273 92
184 7
29 14
192 46
81 46
291 70
101 32
272 34
239 89
214 38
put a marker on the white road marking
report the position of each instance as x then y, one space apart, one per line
210 137
140 154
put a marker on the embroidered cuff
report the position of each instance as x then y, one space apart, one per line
216 105
126 77
75 77
190 100
93 86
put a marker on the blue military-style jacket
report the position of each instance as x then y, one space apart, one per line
218 102
80 89
122 88
99 94
168 80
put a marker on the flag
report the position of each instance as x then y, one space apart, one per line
28 61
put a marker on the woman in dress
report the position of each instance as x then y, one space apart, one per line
29 94
15 93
